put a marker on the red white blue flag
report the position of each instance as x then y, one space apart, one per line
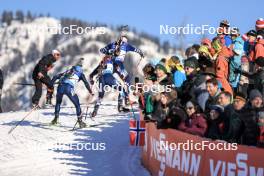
137 130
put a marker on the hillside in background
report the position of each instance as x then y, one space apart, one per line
22 45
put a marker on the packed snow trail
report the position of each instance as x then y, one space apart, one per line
36 149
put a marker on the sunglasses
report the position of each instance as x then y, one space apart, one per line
189 108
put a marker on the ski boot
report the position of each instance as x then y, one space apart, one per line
55 120
35 106
81 123
48 99
48 103
94 113
121 108
120 105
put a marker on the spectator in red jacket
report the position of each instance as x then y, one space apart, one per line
222 68
195 123
259 48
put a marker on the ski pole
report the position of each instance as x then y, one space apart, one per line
86 112
24 84
13 128
27 84
139 61
74 125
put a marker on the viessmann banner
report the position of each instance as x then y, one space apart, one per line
161 156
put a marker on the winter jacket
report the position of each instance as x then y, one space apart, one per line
259 48
222 68
245 68
261 128
178 78
235 61
250 129
228 40
249 48
72 77
148 104
192 88
172 111
196 125
44 65
257 77
211 101
122 50
215 128
166 81
232 125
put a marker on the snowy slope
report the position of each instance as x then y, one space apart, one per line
23 44
36 149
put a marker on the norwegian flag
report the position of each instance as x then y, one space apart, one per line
137 132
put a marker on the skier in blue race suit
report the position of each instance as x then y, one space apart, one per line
105 71
67 83
119 49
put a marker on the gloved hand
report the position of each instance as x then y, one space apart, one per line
110 52
91 80
40 75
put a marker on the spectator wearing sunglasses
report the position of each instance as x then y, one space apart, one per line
195 123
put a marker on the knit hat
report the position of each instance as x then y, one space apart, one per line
260 23
191 62
240 96
224 23
260 33
209 71
252 33
203 49
216 44
175 59
254 94
260 61
55 52
206 41
161 66
218 108
174 63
